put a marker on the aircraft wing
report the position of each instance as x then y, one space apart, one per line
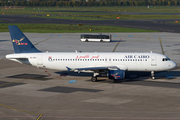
97 68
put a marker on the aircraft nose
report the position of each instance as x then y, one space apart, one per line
170 65
174 64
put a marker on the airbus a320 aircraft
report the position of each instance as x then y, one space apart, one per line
113 65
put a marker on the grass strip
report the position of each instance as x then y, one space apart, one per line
74 17
176 22
134 16
69 28
112 17
40 10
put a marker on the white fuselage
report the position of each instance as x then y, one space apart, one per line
127 61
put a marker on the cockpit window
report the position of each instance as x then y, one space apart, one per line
165 59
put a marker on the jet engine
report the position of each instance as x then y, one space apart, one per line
116 74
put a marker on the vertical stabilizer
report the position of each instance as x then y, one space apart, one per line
20 42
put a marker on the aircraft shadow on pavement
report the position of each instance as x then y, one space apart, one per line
129 76
71 73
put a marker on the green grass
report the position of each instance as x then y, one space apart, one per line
134 16
154 9
174 22
69 28
73 17
95 14
111 17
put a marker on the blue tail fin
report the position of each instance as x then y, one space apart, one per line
20 42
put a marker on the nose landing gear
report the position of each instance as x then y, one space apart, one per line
152 75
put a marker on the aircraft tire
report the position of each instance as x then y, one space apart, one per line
94 79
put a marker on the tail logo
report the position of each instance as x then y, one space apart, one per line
18 42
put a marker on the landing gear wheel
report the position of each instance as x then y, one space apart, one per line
152 75
86 40
94 79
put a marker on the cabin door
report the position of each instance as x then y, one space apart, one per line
40 61
153 60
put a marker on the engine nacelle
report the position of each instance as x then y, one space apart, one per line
116 74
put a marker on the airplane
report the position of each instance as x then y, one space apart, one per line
113 65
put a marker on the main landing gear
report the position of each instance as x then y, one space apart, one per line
94 77
152 75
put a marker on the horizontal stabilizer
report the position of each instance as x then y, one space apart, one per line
15 56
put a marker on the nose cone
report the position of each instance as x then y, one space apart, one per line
169 65
173 65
